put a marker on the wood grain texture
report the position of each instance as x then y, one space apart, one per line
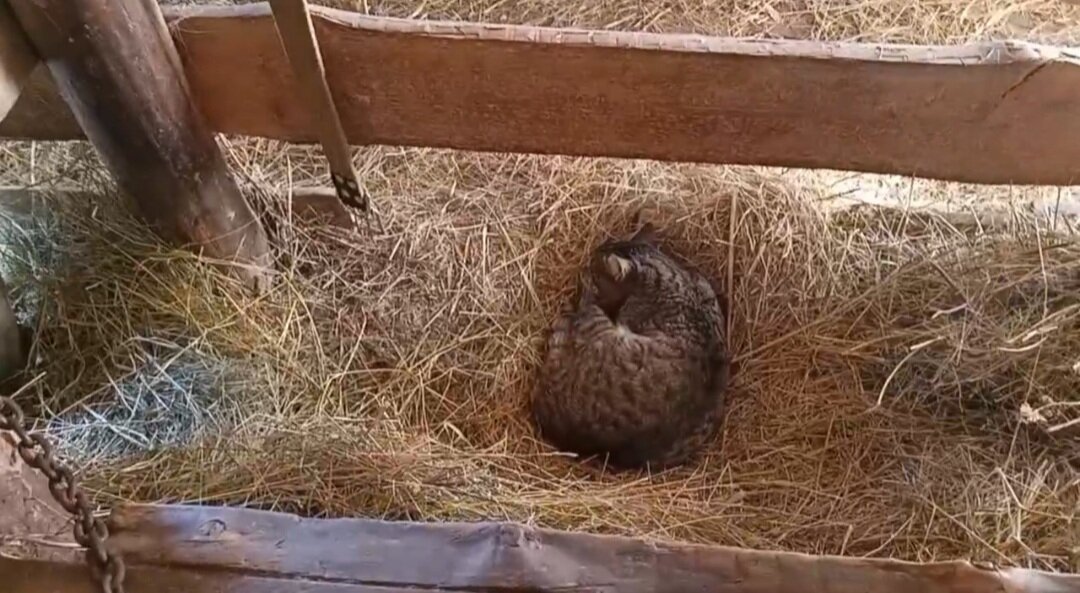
511 557
993 113
36 576
118 70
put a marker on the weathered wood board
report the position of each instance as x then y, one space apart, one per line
227 549
29 576
174 549
991 113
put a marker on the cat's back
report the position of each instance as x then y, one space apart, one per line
644 387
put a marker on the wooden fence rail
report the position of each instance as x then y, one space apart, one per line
991 113
174 549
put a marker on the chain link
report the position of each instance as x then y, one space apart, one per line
90 532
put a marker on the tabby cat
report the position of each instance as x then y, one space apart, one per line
636 372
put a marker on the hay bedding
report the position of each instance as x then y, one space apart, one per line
906 386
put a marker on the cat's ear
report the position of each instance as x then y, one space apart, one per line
617 267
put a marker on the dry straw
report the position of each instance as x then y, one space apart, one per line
907 378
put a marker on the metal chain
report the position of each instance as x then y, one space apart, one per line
90 532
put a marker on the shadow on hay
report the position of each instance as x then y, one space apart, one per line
108 389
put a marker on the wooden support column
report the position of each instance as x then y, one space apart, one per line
117 69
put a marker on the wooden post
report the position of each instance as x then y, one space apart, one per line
116 67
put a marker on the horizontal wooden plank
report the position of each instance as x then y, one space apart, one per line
510 557
30 519
992 113
36 576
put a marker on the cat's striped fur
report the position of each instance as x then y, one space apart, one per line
636 372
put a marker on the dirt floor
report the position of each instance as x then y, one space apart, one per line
908 349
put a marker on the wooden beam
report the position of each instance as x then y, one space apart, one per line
35 576
1001 112
181 549
510 557
17 59
118 71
